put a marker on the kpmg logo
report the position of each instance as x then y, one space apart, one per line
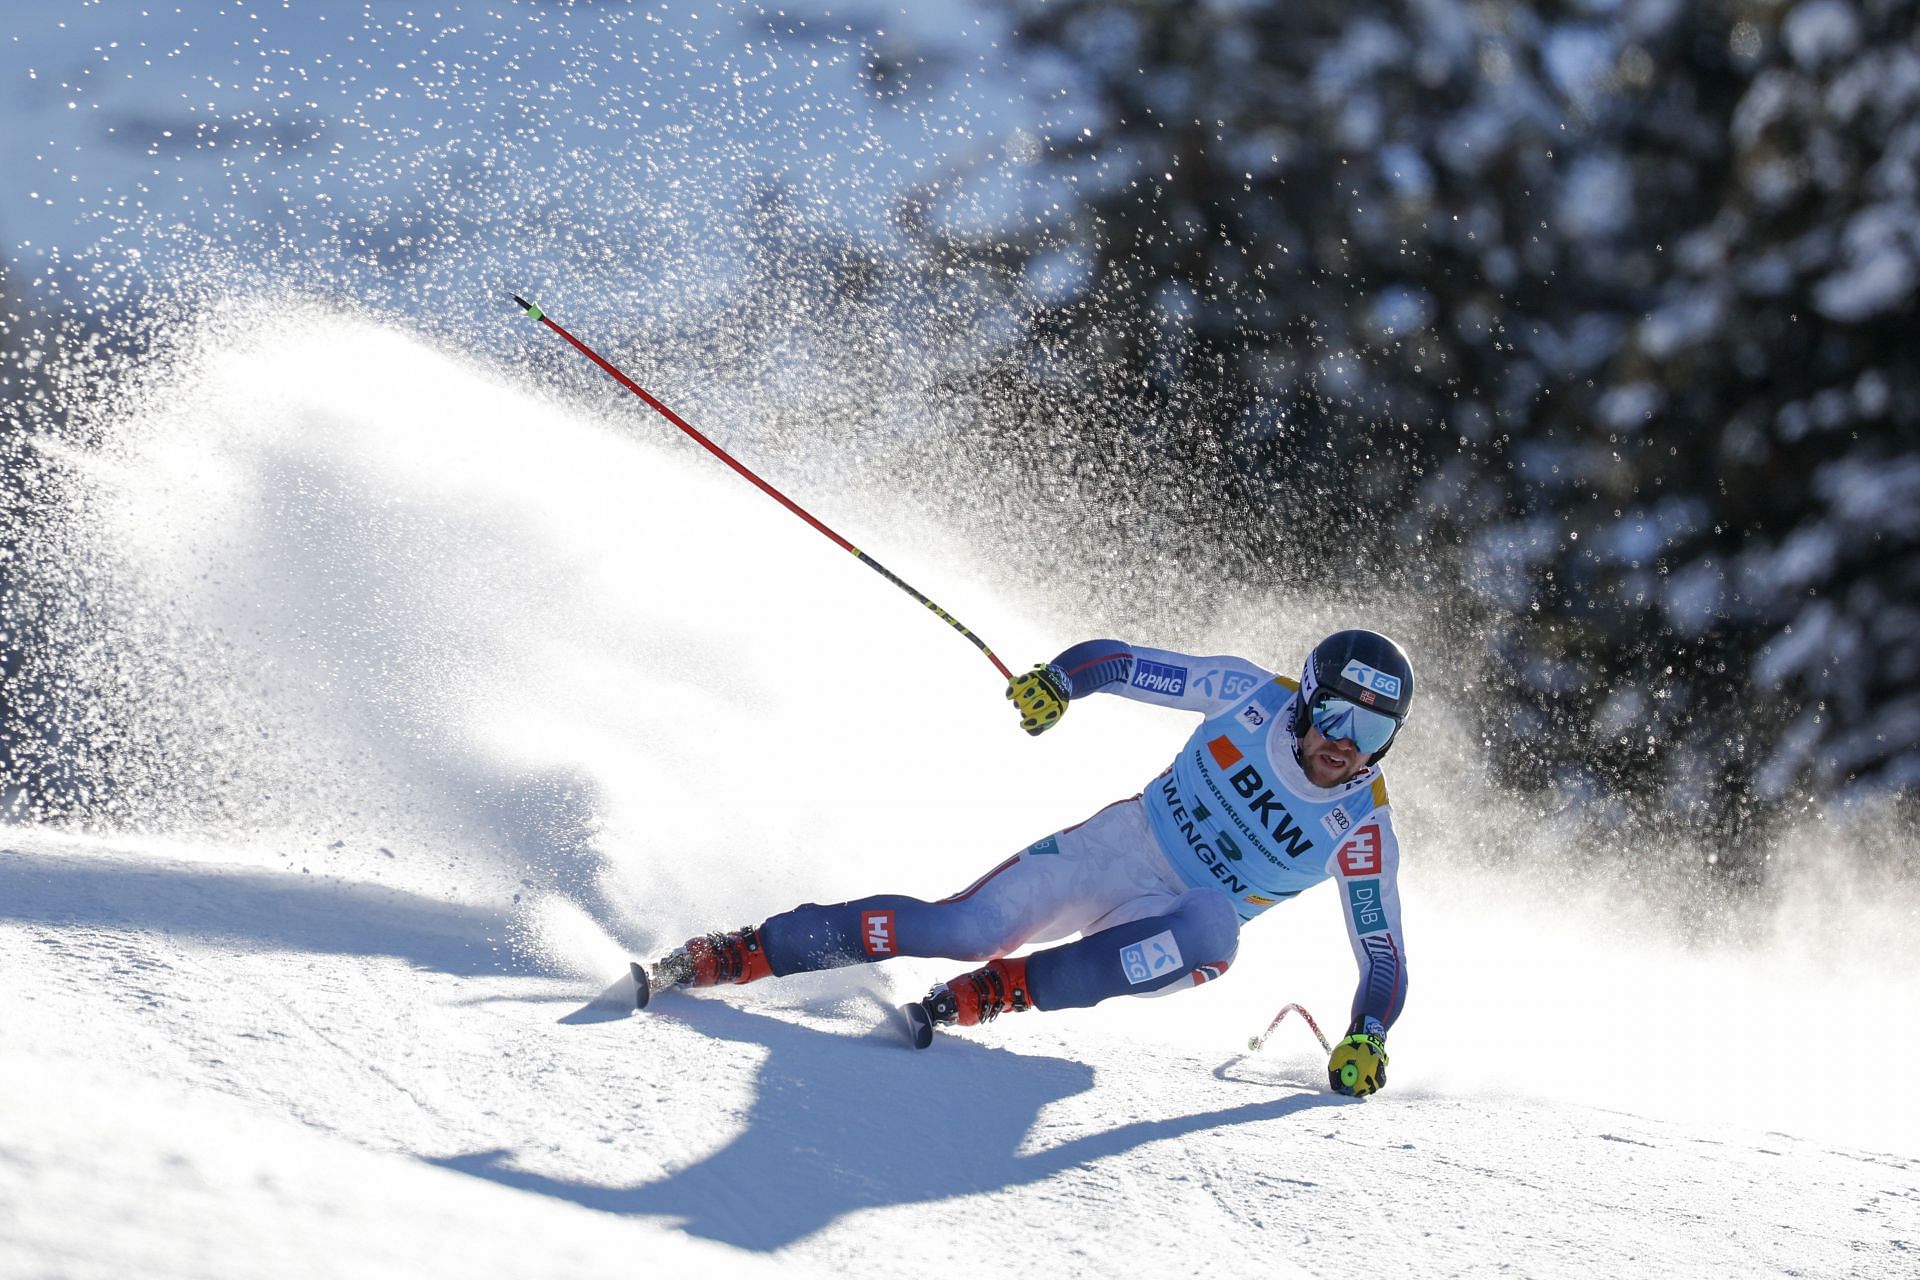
1158 677
1367 678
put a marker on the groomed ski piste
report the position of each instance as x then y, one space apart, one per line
436 700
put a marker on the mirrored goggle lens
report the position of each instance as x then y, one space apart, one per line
1340 720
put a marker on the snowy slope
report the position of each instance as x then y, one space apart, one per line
222 1072
432 701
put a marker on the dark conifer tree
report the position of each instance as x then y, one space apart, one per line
1592 309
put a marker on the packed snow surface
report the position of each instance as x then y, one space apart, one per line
435 699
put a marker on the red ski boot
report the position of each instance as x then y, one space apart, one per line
706 961
970 999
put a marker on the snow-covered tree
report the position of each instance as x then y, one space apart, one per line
1590 306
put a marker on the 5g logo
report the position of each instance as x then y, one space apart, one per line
1367 678
1151 958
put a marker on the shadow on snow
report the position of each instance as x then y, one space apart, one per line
840 1124
265 908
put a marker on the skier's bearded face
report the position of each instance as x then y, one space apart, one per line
1328 762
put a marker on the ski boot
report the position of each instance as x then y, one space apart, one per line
970 999
706 961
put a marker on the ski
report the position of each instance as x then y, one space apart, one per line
650 980
919 1024
642 986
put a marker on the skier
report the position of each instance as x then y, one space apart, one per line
1278 789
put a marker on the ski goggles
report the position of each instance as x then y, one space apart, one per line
1341 721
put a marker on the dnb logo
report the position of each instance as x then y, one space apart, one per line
1363 899
876 932
1373 681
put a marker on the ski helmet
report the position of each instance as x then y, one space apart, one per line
1363 668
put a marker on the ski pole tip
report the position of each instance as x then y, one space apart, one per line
531 309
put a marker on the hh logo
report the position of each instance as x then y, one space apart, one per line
876 931
1252 717
1360 856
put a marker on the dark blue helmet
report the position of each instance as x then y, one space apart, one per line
1363 668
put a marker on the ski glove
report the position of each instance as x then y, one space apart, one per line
1040 696
1358 1066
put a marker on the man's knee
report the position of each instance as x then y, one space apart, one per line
982 933
1211 925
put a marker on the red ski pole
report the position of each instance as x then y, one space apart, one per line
781 498
1254 1042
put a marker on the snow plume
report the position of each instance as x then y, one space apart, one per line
325 590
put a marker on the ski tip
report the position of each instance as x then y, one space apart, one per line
642 988
919 1025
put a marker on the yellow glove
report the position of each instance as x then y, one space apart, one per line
1040 696
1358 1066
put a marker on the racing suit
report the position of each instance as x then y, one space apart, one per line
1156 885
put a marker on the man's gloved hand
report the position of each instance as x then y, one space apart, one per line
1040 696
1358 1066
